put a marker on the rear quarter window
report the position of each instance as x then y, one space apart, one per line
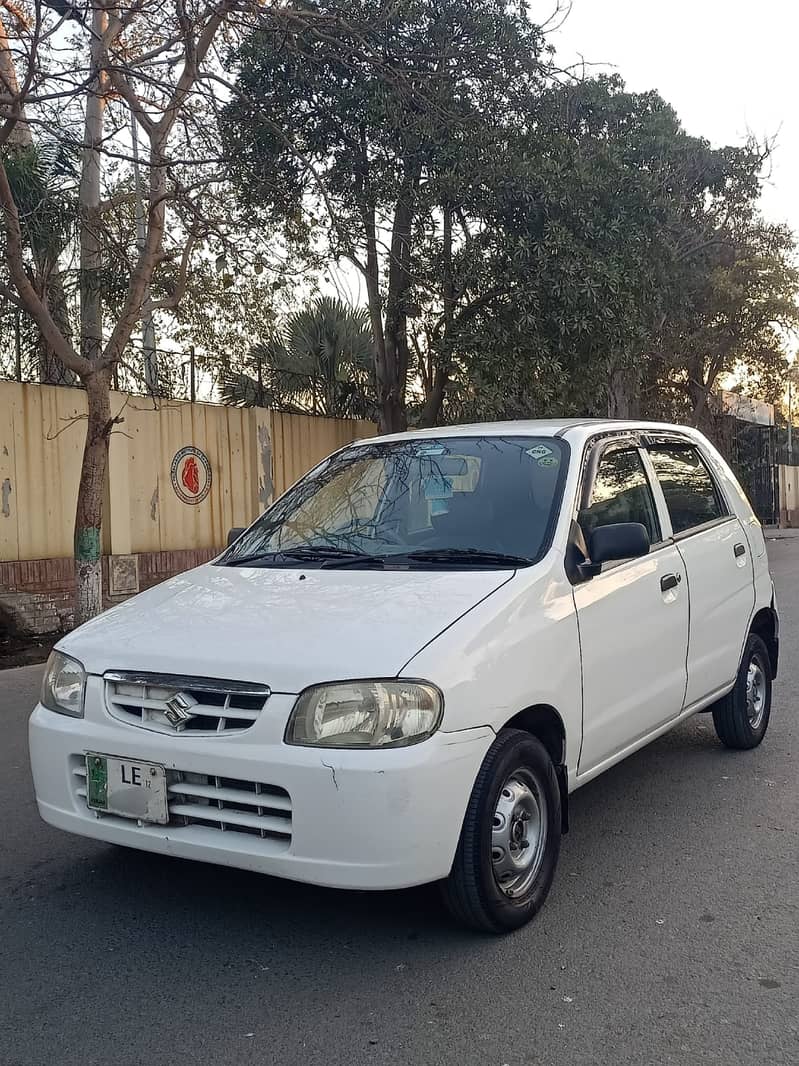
691 494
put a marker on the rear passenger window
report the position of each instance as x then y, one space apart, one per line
621 493
689 489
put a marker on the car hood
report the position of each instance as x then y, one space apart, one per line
284 628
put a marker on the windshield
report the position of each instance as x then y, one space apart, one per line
467 501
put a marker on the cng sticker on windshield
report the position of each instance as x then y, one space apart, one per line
539 452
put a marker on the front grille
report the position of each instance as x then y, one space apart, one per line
229 804
173 704
224 803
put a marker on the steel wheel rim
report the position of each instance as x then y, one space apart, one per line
755 692
518 835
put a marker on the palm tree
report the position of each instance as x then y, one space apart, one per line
43 176
321 363
41 179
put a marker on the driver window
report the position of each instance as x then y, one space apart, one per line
621 493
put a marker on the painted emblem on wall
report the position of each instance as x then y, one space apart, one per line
191 475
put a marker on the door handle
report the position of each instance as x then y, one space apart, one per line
670 581
739 550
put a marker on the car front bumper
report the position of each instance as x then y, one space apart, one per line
359 819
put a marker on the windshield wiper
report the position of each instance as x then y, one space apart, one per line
331 557
302 553
358 559
453 556
468 555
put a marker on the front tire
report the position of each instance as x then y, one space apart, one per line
741 718
510 840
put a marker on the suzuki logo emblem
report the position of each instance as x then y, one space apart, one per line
179 709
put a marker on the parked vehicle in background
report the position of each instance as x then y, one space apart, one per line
401 670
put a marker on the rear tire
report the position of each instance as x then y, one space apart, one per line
510 840
741 718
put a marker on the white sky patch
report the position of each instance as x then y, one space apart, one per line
728 67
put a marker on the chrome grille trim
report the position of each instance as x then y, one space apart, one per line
215 705
181 681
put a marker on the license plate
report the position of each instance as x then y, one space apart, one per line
126 787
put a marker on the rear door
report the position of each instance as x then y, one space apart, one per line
718 562
632 617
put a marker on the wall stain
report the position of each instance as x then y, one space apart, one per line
266 487
5 450
5 491
154 505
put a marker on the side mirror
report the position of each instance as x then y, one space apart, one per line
620 540
234 534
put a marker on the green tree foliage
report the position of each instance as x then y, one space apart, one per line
321 362
529 244
628 267
740 310
375 122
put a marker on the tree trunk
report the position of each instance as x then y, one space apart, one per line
51 369
20 136
91 248
89 512
700 414
624 393
88 516
434 402
393 367
702 377
390 387
388 420
390 417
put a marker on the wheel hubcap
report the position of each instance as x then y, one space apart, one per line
518 834
755 693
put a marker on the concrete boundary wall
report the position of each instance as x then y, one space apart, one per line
180 476
163 450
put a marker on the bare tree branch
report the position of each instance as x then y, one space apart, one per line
172 301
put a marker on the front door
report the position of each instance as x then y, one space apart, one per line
632 617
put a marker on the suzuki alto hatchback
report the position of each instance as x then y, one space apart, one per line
401 670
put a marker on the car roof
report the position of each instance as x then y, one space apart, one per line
577 428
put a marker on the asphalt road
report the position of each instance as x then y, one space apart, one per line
671 934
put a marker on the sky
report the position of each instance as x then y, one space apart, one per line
728 67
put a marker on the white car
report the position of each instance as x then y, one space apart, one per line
399 673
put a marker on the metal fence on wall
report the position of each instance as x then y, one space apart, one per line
753 457
756 453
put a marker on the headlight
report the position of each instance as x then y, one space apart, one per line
365 714
64 685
